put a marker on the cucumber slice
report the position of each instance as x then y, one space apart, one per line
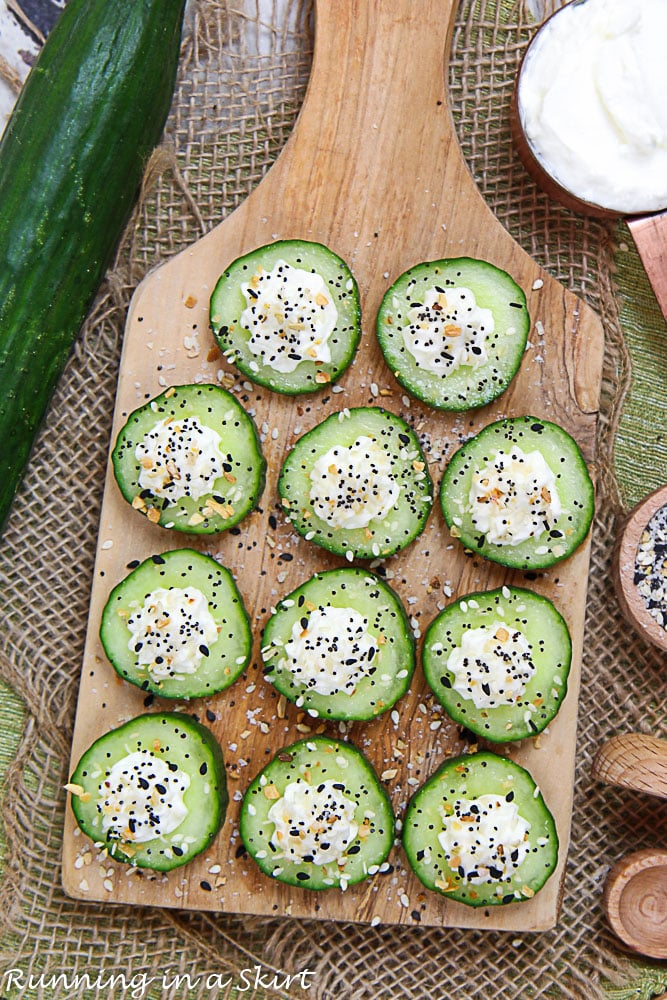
340 646
190 459
177 626
480 832
498 662
357 484
519 493
454 331
288 315
159 774
317 816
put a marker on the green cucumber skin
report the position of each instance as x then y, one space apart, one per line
343 706
304 750
446 393
464 776
492 725
342 541
126 468
522 556
153 573
71 162
279 382
156 725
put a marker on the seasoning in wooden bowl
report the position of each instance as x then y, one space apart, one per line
639 568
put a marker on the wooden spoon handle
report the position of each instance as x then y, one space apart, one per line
635 901
633 760
650 236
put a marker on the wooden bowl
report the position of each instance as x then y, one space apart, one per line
623 569
635 901
649 231
535 167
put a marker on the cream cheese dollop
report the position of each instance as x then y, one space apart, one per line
290 315
330 650
313 823
514 498
448 330
172 631
350 487
179 458
141 798
591 101
492 666
485 839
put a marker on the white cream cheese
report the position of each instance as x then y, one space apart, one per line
179 458
313 823
448 330
592 105
172 631
492 666
142 798
484 839
514 497
290 316
332 653
353 486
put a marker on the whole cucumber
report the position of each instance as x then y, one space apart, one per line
71 162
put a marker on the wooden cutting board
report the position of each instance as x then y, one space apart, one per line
373 169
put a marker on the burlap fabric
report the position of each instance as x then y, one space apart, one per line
244 71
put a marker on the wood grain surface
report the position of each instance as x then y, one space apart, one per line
635 901
373 169
633 760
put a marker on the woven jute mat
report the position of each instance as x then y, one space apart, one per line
244 70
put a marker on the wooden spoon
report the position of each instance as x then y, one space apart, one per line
630 600
635 901
649 232
635 894
633 760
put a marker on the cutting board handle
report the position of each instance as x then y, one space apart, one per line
360 72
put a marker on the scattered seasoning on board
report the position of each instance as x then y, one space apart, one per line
651 566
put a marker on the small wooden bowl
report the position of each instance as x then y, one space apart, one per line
623 569
649 231
534 166
635 901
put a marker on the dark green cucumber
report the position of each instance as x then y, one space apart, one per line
498 662
153 457
364 471
519 493
454 331
317 816
159 774
480 832
177 626
340 646
288 316
71 161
